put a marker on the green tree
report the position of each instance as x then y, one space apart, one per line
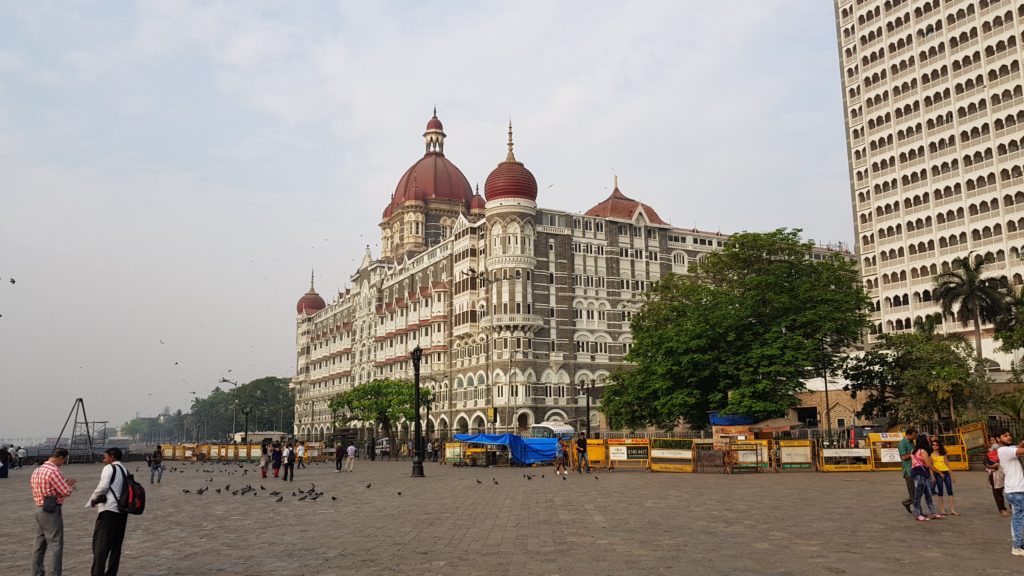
1010 324
383 402
980 298
740 334
914 377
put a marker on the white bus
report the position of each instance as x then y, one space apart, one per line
552 430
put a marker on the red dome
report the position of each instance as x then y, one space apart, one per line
310 303
434 124
621 207
478 202
433 177
510 179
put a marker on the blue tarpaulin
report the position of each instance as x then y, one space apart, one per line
524 451
716 419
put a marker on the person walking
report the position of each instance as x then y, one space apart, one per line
301 458
906 448
339 458
430 451
108 534
275 456
49 489
921 469
560 450
351 457
156 465
996 476
5 462
289 463
1013 485
581 453
22 456
264 462
944 479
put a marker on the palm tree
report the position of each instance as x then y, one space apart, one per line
928 325
980 299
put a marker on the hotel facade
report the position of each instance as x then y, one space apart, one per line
519 310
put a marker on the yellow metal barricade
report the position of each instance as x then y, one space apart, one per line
629 453
671 455
885 452
454 453
597 453
844 459
974 438
795 455
751 455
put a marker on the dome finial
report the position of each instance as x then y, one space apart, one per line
616 181
435 110
511 157
312 272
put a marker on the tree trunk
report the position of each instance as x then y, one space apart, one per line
977 340
952 415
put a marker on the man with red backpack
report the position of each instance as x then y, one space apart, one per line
108 535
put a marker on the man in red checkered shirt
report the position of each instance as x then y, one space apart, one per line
47 480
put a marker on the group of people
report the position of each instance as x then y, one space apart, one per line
277 456
344 458
50 488
11 457
562 455
926 472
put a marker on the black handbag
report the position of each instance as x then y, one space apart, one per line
49 504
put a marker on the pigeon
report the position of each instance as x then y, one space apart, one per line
279 498
228 487
478 481
564 478
595 477
234 492
261 487
293 494
495 481
274 493
217 490
314 497
399 493
367 485
184 491
541 475
334 497
303 497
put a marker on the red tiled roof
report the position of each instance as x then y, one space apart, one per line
621 207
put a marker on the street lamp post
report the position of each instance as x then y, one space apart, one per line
234 405
417 459
245 435
586 387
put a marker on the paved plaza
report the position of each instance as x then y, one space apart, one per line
495 521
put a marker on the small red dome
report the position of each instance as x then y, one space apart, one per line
310 303
510 179
478 202
434 124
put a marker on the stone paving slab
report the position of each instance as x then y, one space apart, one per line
623 522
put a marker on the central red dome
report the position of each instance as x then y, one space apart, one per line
433 177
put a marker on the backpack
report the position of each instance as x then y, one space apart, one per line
132 499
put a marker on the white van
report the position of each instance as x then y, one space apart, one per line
383 448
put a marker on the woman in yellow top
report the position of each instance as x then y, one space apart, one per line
943 477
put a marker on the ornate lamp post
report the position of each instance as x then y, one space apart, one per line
417 459
585 388
234 403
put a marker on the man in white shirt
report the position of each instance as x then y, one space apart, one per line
301 451
351 451
1013 485
108 535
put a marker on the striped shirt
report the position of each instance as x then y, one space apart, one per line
47 480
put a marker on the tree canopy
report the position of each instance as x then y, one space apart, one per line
916 378
739 334
384 402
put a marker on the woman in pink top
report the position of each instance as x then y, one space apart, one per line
921 469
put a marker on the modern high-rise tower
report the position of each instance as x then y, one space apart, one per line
934 112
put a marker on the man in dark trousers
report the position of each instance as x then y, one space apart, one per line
906 447
581 452
108 534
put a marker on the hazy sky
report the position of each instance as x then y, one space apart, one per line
171 171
